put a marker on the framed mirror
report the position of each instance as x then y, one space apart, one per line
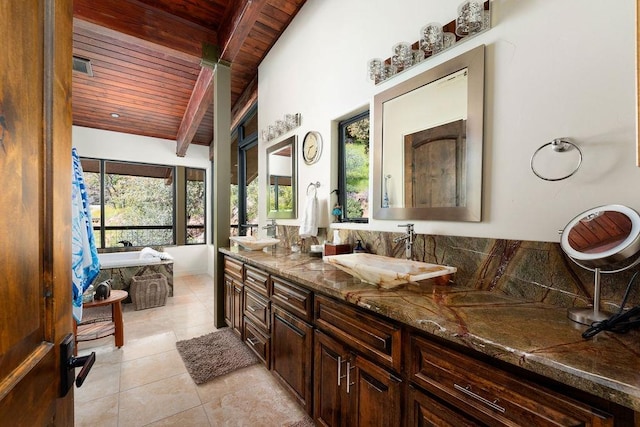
428 139
282 176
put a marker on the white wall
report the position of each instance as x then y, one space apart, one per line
196 259
563 68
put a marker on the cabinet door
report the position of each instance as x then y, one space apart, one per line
228 301
374 394
329 364
237 307
291 354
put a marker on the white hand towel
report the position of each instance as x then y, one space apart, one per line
309 226
148 253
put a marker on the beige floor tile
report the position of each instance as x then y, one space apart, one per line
196 417
146 370
102 380
158 400
147 346
101 412
194 331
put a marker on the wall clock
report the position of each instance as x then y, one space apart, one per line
311 147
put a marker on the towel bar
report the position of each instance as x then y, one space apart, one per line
315 186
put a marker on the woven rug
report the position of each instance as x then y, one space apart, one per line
214 354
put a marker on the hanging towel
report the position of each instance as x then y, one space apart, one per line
309 226
84 260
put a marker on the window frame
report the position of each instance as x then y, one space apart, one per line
342 171
101 241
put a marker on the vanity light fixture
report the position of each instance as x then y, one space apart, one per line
280 127
473 17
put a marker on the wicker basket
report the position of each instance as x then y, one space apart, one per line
149 291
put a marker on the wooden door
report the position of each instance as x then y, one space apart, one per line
329 369
374 395
35 210
291 354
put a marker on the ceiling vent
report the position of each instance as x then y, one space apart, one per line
82 65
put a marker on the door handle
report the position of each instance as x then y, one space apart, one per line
68 363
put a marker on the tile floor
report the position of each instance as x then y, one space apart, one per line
145 383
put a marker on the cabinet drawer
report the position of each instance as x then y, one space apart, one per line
294 298
424 410
256 307
374 337
257 341
491 395
256 279
233 268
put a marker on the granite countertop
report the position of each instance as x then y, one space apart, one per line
537 337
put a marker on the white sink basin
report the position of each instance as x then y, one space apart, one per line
253 243
387 272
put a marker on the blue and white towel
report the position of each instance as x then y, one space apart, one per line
84 261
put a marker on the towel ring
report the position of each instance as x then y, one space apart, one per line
315 186
559 146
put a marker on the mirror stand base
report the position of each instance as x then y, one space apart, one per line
587 316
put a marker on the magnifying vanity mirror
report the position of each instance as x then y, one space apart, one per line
428 140
605 239
282 176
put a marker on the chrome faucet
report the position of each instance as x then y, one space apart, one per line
272 229
408 239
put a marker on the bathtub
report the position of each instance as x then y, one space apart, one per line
125 259
120 267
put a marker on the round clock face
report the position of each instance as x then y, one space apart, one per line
311 147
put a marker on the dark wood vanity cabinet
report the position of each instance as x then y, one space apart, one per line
292 339
347 366
233 294
485 394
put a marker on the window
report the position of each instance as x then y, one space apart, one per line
244 176
196 209
353 169
133 204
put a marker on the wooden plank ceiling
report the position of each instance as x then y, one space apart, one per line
145 57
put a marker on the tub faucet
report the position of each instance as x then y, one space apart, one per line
408 240
272 229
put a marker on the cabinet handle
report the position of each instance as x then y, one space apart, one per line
250 308
284 297
349 383
252 341
467 390
340 376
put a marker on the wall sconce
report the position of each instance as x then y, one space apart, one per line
474 17
280 127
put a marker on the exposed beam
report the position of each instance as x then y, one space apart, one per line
201 99
235 28
146 23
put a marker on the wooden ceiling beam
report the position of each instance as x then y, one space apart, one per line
201 99
238 22
146 23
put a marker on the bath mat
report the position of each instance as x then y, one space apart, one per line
214 354
305 422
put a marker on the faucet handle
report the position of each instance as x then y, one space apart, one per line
408 226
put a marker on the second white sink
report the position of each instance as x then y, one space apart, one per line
253 243
387 272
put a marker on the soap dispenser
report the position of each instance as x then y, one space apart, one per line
359 249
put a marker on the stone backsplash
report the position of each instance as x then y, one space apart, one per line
530 270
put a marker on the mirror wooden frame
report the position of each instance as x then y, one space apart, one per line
292 141
638 82
473 60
